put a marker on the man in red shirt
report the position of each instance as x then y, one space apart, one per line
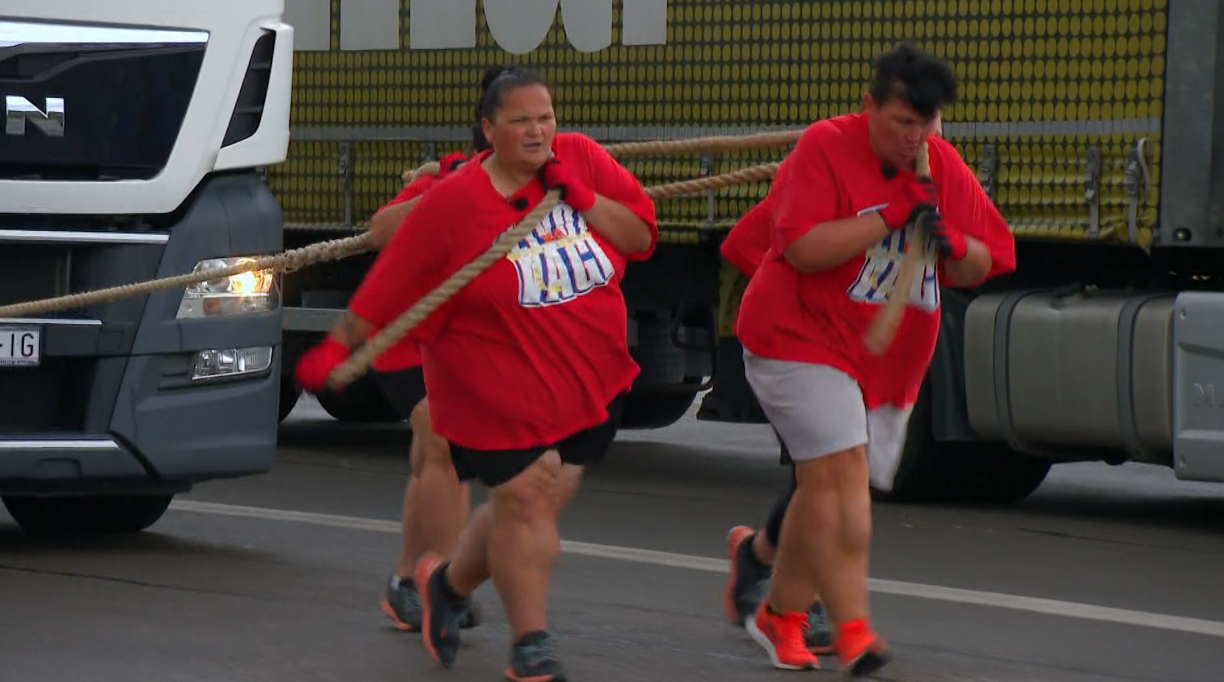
843 204
751 551
526 367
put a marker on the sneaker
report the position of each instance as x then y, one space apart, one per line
749 580
532 660
782 637
402 604
440 617
860 651
819 634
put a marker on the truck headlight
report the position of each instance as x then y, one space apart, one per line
246 293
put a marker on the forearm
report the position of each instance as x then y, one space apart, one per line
384 223
971 270
830 244
619 225
351 330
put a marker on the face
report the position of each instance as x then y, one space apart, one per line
523 127
897 130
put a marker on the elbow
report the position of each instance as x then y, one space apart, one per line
641 239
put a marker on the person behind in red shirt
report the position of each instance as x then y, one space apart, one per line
751 551
526 367
436 502
842 204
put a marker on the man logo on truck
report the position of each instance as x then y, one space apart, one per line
18 110
520 26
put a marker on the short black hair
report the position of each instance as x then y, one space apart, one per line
922 80
496 82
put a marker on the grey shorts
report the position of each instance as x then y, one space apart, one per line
819 411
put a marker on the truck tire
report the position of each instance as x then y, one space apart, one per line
981 473
361 402
86 514
930 472
647 409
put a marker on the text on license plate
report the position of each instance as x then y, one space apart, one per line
20 346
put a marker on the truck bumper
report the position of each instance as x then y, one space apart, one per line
115 401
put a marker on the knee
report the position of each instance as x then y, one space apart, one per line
534 494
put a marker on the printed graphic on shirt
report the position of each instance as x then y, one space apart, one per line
878 276
560 260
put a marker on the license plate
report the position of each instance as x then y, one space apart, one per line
20 347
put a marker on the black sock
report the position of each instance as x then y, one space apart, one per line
445 588
531 638
750 556
407 582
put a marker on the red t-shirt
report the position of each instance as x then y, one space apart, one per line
746 244
822 317
535 347
406 354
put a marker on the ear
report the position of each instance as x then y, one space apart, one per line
487 127
868 102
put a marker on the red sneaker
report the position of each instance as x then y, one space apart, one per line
859 649
782 637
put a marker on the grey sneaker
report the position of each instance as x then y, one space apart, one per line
402 604
819 635
531 659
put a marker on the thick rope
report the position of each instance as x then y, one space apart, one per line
330 250
359 362
719 143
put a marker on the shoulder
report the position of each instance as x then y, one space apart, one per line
831 131
947 165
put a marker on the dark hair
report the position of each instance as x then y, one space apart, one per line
497 81
922 80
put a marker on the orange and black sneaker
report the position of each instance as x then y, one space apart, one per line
749 579
782 637
532 660
860 650
442 611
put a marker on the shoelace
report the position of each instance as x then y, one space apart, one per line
797 624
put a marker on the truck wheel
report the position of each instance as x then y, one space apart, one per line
86 514
930 472
1008 477
646 409
361 402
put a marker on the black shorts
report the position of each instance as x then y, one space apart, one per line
495 467
403 388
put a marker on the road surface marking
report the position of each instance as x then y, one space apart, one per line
1051 607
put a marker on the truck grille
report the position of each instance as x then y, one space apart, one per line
32 272
53 397
109 105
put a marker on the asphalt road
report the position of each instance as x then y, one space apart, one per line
1104 574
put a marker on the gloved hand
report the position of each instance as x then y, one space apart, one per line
907 199
318 362
450 163
951 243
556 174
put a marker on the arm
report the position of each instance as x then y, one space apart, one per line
621 211
967 210
828 245
971 270
630 234
807 228
384 223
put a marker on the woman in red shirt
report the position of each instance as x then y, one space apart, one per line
751 551
527 365
842 203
